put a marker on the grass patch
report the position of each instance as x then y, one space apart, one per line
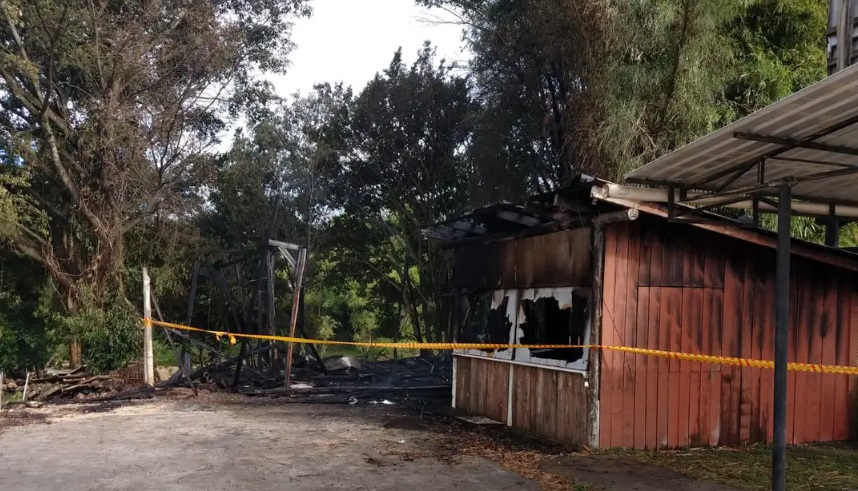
11 396
831 466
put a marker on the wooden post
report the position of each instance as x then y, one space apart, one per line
271 320
26 386
269 290
293 321
594 372
148 359
1 391
303 330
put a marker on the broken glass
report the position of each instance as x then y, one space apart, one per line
546 321
485 320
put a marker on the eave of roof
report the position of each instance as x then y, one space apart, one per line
809 139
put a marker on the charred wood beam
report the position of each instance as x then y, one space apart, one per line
434 234
220 281
519 218
545 228
193 293
178 355
570 204
551 215
293 320
242 354
301 327
200 344
270 300
473 228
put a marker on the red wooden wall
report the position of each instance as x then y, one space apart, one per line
678 288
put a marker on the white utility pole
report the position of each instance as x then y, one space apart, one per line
148 359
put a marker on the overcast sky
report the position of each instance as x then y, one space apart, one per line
350 40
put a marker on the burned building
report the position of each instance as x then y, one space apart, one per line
585 266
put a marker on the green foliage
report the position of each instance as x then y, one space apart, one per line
22 346
780 49
116 134
23 343
667 62
162 353
111 334
604 87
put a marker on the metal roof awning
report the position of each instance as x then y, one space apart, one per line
805 148
809 140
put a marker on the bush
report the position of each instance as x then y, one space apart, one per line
23 344
111 335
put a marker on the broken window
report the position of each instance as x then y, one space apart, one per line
486 319
530 316
484 323
553 317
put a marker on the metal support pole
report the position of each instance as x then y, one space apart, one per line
832 228
781 323
148 359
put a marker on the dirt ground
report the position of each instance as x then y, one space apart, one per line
176 445
233 442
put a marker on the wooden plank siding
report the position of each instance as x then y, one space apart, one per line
547 402
558 259
550 403
670 287
482 387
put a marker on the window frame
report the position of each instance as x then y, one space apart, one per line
515 313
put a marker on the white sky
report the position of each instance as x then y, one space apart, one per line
350 40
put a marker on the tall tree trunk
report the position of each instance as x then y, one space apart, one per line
75 350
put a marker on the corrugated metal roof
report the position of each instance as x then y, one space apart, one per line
823 115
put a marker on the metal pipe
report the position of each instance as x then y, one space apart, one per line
781 323
616 217
662 196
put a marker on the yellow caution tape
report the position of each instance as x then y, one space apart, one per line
720 360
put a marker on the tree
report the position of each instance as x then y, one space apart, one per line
534 63
401 164
780 49
603 87
111 108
